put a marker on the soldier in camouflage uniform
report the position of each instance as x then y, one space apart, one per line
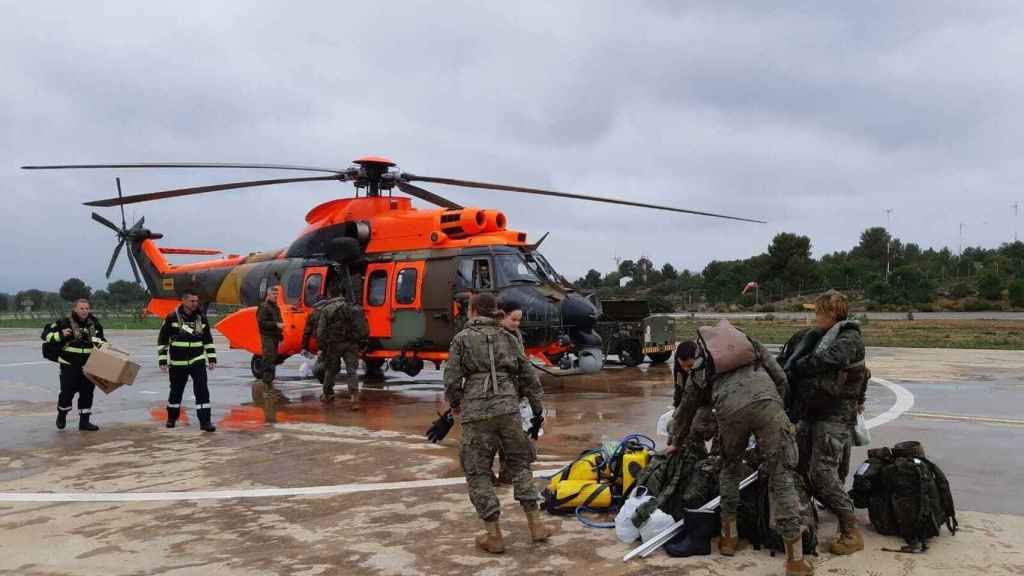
832 381
748 400
271 327
483 361
341 334
705 425
530 389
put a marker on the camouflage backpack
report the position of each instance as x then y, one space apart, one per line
906 494
341 322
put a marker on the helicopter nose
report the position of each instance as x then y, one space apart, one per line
578 314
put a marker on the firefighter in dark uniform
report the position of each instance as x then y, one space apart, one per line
185 351
271 328
77 334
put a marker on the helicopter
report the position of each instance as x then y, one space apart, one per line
412 270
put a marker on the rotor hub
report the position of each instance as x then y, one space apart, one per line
374 174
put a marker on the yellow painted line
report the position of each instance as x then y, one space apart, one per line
966 418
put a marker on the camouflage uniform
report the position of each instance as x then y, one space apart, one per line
312 321
832 383
705 424
747 402
341 332
268 316
487 396
533 392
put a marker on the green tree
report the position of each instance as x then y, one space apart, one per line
5 302
881 292
990 286
961 290
591 280
125 292
74 288
668 272
1017 293
874 246
789 261
912 286
37 297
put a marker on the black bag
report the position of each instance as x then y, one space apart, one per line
754 515
51 349
906 494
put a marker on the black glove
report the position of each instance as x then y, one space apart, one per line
536 422
440 428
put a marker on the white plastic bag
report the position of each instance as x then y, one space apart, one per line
659 522
663 423
526 414
861 434
305 370
624 528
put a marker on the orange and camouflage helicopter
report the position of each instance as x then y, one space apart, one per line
412 270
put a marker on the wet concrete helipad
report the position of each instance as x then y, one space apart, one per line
324 490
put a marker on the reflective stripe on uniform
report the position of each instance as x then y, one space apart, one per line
85 411
201 406
77 350
54 336
61 360
180 344
187 362
174 405
63 409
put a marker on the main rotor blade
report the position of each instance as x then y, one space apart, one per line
504 188
427 196
113 259
135 267
183 165
202 189
105 222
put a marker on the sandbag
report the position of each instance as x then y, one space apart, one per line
727 347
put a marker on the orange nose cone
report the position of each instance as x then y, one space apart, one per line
374 160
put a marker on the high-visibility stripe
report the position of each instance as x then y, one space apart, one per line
187 362
77 350
63 409
181 344
162 348
202 406
61 360
54 336
174 405
85 411
162 357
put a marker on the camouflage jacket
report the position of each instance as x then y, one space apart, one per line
833 380
267 318
341 323
312 321
468 381
729 392
529 388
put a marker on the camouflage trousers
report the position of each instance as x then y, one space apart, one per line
332 355
480 441
825 461
776 441
268 348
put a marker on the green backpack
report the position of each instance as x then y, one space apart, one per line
906 495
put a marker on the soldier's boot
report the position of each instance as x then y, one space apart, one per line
327 396
204 420
172 416
269 391
84 424
850 539
491 540
796 565
729 539
62 417
539 531
354 395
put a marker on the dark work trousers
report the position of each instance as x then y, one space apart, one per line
179 378
73 381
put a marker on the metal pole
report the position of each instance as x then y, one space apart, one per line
888 241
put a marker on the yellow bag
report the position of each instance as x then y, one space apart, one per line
586 468
632 464
572 494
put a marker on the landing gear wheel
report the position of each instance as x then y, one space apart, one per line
256 365
630 354
374 369
659 357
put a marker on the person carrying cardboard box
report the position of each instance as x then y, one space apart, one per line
73 338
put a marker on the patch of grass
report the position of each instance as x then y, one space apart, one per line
973 334
110 322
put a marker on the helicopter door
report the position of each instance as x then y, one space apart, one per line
408 322
313 285
376 301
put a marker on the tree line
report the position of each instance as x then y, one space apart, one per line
118 294
885 271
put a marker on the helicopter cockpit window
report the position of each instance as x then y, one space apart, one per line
377 293
512 269
475 273
314 282
405 286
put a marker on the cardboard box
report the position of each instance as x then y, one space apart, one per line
109 368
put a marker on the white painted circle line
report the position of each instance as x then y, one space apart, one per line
904 402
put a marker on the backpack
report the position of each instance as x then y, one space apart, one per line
51 349
906 494
724 348
754 518
341 322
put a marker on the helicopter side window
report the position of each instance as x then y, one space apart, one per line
263 289
378 288
293 287
314 282
475 274
405 286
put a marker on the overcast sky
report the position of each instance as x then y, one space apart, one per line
816 119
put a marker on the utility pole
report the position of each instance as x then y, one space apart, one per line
1016 208
888 242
